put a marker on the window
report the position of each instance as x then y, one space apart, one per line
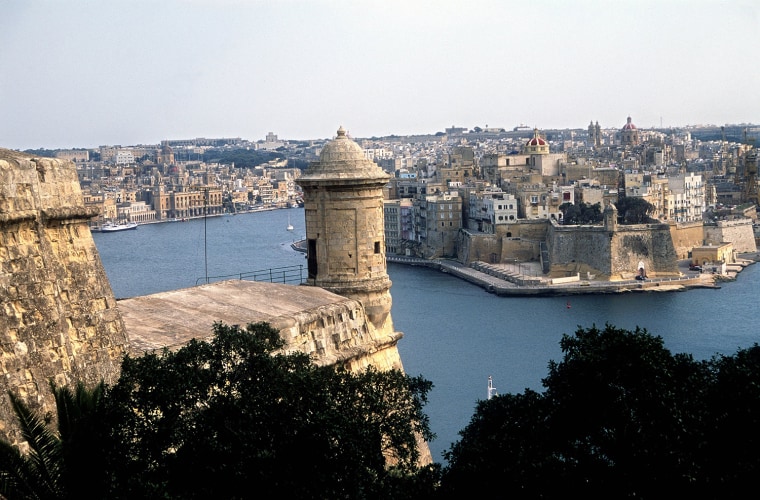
312 258
377 247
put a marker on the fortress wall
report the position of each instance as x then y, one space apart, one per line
525 229
59 319
616 254
686 236
340 333
520 249
651 245
523 244
472 247
577 245
738 232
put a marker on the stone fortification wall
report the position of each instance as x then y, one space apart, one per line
580 246
686 236
739 232
650 244
59 319
520 240
475 246
535 230
340 333
614 254
520 249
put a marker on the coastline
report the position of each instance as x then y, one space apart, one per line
510 284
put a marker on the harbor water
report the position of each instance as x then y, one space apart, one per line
455 334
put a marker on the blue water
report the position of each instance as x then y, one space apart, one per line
455 333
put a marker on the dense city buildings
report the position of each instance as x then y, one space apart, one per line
448 187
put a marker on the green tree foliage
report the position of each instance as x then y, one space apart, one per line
582 213
228 417
634 210
621 417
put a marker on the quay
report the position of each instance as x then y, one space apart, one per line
523 279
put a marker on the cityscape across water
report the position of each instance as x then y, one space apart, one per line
455 333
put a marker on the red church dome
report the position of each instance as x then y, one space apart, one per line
629 125
536 140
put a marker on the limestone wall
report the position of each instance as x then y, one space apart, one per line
650 244
520 240
615 254
738 232
473 246
588 245
686 236
59 319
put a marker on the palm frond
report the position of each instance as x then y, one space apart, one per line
45 457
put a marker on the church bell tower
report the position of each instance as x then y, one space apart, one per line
343 204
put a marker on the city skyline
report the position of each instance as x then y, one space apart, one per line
84 74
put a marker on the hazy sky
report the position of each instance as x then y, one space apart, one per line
104 72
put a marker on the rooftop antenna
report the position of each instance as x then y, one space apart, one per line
491 389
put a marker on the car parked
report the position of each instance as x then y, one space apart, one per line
695 267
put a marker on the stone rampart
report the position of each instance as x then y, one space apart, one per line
59 318
588 245
739 232
647 244
685 236
615 254
517 241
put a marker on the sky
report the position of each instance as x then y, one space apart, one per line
86 73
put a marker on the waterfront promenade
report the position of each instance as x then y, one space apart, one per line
525 279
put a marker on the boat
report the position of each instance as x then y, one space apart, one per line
111 227
290 226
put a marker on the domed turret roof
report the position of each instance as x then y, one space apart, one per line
341 149
629 125
342 158
537 140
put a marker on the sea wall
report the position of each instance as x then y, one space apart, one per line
59 318
616 253
647 244
739 232
585 244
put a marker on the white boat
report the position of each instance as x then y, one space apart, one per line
290 226
110 227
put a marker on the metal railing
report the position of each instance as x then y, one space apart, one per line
287 274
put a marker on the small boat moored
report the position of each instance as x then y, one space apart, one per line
110 227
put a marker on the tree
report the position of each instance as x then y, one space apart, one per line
62 464
582 213
634 210
224 418
620 417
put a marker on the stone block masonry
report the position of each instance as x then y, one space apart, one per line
58 315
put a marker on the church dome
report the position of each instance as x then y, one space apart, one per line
629 125
536 145
343 158
536 141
